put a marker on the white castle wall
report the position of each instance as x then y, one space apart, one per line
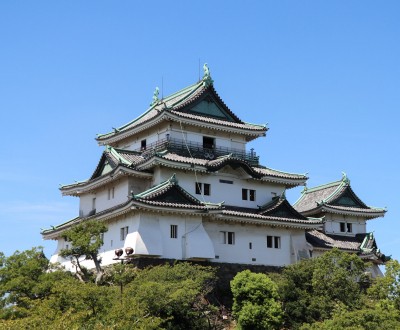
230 193
332 224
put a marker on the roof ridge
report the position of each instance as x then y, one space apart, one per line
283 172
171 181
323 186
117 155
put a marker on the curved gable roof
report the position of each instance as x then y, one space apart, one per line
198 102
334 197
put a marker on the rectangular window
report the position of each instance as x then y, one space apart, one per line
349 228
203 188
248 194
250 245
269 241
227 237
273 242
252 194
206 189
226 181
143 144
111 193
244 194
208 142
343 227
277 241
123 233
174 231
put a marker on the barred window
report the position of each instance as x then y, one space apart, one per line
174 231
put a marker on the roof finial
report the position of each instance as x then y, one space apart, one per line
155 96
173 179
345 179
207 80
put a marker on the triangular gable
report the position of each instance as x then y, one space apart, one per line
104 166
281 208
348 198
174 195
169 192
209 104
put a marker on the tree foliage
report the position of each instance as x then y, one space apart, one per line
312 289
321 293
86 240
37 296
255 301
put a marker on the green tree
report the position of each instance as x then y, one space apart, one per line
312 289
255 301
368 317
86 240
24 278
176 294
386 289
336 276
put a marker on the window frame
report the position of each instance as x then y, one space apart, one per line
274 242
202 188
173 231
123 232
228 237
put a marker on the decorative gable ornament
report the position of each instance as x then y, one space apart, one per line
207 80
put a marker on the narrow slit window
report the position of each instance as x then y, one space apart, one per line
174 231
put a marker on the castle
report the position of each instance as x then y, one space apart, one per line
177 182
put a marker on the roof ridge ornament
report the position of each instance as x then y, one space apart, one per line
173 179
155 96
207 80
345 179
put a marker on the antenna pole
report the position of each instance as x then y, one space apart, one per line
199 68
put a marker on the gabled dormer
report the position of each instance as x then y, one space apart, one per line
336 198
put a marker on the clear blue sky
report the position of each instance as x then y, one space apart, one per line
325 75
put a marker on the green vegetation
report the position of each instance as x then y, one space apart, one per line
328 292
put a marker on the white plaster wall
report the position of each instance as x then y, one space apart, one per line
151 135
230 193
149 235
257 235
121 192
85 204
332 224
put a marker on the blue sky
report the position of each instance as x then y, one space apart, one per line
324 75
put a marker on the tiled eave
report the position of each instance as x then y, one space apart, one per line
368 213
166 115
104 215
190 164
174 208
157 161
257 219
90 185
